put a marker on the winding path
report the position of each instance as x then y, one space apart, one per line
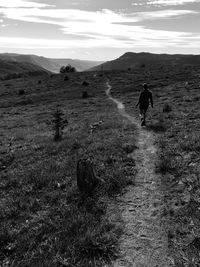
144 242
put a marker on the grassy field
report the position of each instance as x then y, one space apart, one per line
176 120
44 220
179 164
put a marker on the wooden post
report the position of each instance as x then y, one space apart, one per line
86 179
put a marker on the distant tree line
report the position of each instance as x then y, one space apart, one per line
67 69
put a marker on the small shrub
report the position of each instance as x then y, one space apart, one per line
59 124
158 127
6 160
164 164
39 82
66 78
8 85
110 160
76 145
167 108
21 92
24 102
85 83
85 94
129 148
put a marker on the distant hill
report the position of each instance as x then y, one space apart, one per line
132 60
50 64
80 65
13 69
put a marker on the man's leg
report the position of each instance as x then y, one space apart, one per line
142 116
144 120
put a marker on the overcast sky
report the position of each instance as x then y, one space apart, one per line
99 29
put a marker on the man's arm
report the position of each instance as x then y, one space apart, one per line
138 100
151 99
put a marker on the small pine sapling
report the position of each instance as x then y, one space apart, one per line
58 123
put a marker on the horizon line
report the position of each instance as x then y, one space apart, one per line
142 52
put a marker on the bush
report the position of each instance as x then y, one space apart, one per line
67 69
21 92
157 127
66 78
167 108
85 83
129 148
85 94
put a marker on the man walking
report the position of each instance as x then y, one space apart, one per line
143 102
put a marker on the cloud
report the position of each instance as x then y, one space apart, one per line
170 2
99 24
161 14
92 29
17 42
136 37
21 3
89 19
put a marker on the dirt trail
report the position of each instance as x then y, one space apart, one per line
144 242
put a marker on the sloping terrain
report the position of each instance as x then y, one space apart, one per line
45 221
175 120
50 64
134 60
9 68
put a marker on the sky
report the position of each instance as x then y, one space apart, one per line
99 29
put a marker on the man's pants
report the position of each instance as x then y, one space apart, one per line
143 111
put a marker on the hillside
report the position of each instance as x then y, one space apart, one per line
134 60
175 123
50 64
43 218
8 68
150 173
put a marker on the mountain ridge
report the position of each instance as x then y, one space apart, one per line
50 64
131 60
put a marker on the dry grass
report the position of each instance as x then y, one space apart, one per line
176 120
44 221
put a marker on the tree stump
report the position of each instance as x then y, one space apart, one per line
86 179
